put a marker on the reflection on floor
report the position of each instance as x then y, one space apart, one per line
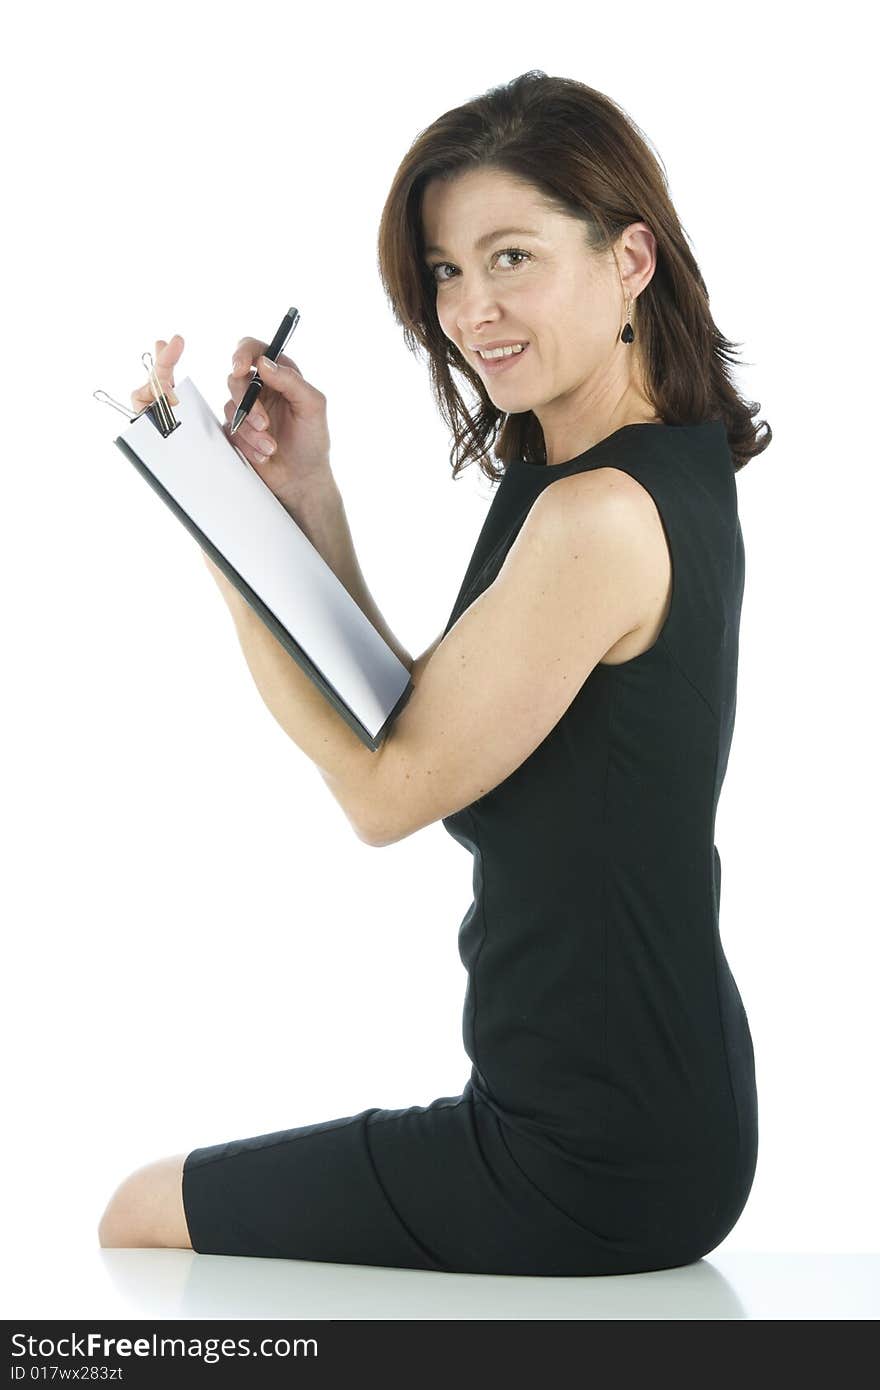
168 1284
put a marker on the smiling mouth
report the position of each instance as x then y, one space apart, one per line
491 365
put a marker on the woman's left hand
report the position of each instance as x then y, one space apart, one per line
166 358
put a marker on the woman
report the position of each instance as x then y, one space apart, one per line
570 727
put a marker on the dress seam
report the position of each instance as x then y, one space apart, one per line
434 1259
716 946
466 597
605 874
603 1240
284 1138
484 916
371 1115
684 675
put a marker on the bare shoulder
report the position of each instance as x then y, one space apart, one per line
601 494
604 507
611 507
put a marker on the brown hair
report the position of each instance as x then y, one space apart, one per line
588 159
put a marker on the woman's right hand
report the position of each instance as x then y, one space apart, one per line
289 419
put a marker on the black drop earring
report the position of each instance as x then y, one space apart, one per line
627 334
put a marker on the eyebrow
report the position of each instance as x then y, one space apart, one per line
490 236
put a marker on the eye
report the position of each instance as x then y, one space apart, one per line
439 265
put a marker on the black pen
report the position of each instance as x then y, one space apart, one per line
273 352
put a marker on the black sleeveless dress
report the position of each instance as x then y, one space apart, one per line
609 1124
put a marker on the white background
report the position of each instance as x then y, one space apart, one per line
197 947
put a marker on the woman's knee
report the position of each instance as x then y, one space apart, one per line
147 1208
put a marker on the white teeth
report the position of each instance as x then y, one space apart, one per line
502 352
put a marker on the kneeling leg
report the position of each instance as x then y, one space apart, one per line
147 1208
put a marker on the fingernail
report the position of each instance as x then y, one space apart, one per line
236 362
268 365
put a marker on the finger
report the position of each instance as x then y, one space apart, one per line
170 351
251 452
246 353
255 444
288 362
144 396
247 431
256 416
165 358
238 383
289 382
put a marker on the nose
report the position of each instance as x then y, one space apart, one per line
474 312
477 329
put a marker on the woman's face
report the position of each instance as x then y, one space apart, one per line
538 284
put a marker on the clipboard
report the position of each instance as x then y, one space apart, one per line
211 488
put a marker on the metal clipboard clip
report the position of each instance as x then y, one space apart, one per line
159 412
